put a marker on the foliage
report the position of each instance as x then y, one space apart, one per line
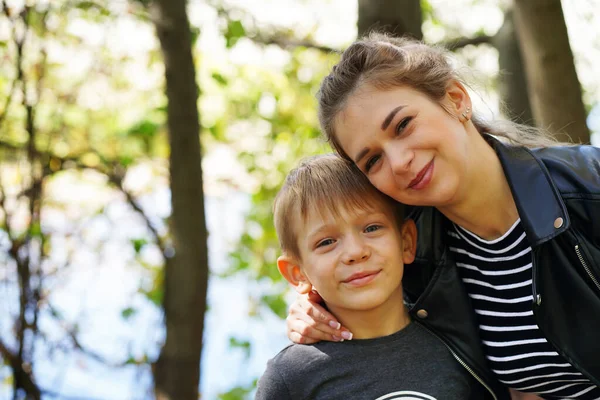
239 392
57 128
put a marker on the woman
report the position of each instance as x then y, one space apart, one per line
508 266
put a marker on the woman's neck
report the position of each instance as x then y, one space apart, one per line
487 207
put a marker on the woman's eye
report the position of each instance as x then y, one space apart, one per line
402 125
372 228
325 242
371 162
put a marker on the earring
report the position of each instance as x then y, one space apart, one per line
465 114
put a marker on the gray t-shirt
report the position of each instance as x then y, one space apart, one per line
409 364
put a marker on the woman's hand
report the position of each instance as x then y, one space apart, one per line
308 322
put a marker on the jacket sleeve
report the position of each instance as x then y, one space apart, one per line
271 385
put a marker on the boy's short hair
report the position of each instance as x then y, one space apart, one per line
324 182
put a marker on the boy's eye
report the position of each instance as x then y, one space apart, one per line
371 162
325 242
402 124
372 228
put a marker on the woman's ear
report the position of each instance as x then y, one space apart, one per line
458 99
408 232
291 271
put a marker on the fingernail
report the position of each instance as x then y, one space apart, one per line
335 325
347 335
337 338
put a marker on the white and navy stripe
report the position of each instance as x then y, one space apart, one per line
498 277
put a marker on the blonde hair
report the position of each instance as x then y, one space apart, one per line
385 62
324 183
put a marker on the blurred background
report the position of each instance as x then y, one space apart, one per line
139 157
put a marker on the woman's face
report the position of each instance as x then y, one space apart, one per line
408 146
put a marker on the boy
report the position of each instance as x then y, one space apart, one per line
343 238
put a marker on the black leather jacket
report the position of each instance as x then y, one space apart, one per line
557 193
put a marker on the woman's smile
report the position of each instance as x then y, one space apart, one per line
423 177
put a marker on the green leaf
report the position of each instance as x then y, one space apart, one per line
35 230
85 5
276 303
92 5
235 31
195 34
138 244
155 295
128 312
219 78
239 392
145 128
126 161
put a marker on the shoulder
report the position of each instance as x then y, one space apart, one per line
574 157
293 370
296 359
574 169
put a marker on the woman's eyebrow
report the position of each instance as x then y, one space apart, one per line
360 155
388 119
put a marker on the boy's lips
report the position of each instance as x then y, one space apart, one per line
422 178
361 278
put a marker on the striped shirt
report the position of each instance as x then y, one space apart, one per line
498 277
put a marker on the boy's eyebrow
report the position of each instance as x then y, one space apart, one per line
360 214
318 230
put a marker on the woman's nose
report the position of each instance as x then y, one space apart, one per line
399 159
400 163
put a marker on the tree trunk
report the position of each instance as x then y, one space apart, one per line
553 86
397 17
512 83
177 371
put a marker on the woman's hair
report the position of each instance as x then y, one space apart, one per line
385 62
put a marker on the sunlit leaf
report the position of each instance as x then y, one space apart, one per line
235 31
144 129
219 78
128 312
239 392
35 230
276 303
244 345
138 244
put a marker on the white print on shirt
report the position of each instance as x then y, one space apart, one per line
406 395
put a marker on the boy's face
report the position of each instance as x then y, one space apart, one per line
355 261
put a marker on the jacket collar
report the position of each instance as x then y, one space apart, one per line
538 201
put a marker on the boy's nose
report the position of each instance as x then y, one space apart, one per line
354 259
357 251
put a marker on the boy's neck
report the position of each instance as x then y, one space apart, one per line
378 322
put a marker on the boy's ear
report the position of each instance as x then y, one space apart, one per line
457 97
291 271
408 232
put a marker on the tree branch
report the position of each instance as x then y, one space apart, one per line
286 42
117 180
459 43
72 333
109 170
21 373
